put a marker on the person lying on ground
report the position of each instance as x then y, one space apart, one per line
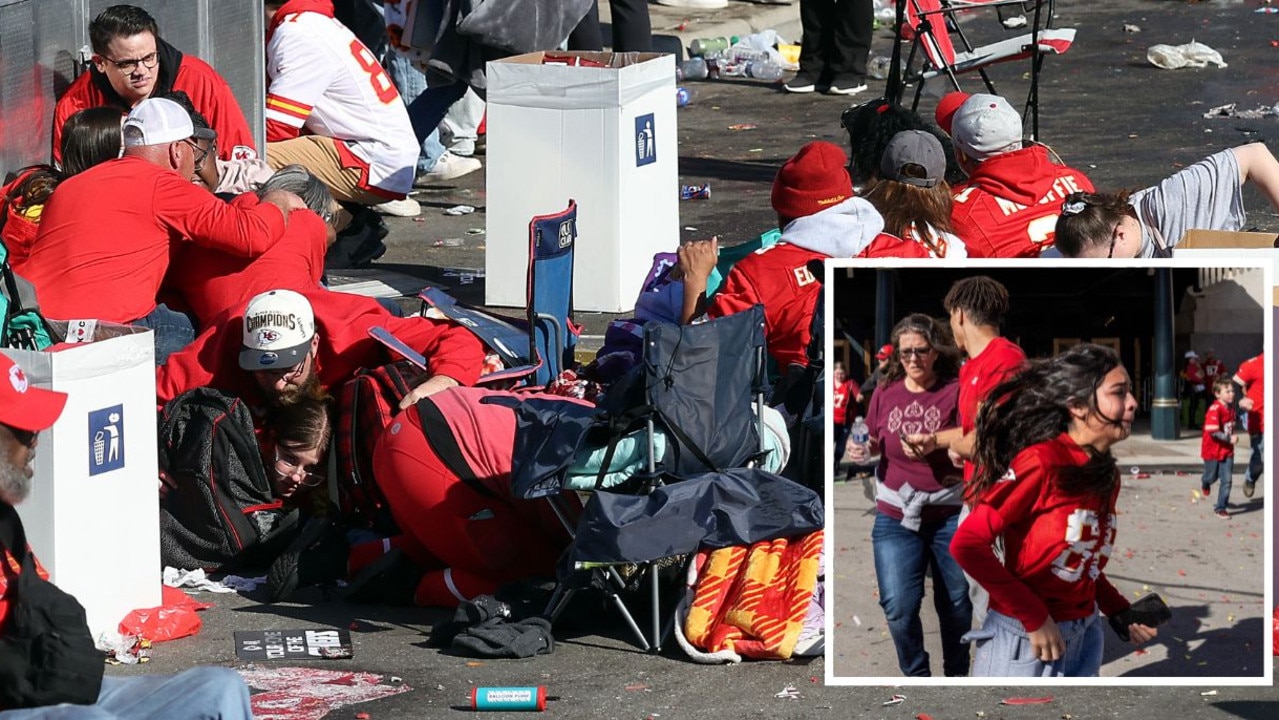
1150 222
132 63
105 236
820 218
1008 207
286 343
1047 485
201 692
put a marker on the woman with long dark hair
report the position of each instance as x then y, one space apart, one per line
1047 485
917 500
912 194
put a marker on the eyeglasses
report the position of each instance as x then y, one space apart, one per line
200 152
1114 237
288 469
148 61
288 374
913 352
26 438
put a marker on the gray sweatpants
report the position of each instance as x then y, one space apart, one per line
1003 649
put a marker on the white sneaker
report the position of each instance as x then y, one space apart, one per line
448 167
699 4
407 208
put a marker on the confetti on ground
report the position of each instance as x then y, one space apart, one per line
460 210
895 700
743 126
788 693
1027 701
635 687
857 621
1207 693
474 663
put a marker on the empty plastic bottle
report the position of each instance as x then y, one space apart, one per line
860 435
764 70
706 46
694 69
740 54
878 67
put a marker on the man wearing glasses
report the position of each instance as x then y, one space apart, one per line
132 63
105 239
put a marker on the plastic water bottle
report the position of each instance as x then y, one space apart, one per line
766 70
878 67
693 69
861 434
705 46
739 54
684 96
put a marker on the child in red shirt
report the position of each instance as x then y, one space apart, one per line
1218 447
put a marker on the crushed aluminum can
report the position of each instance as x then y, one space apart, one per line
695 192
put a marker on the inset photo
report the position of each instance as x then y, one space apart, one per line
1048 474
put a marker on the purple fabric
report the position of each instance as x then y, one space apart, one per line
893 410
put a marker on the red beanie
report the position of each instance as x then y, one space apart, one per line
946 108
815 179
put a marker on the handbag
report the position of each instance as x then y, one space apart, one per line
47 656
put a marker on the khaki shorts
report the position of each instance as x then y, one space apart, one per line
320 156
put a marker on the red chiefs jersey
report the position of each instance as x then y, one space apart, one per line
1253 374
845 395
1009 207
1218 418
1055 545
1000 359
1194 373
1213 369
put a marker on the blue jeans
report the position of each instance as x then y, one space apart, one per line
412 83
901 558
173 331
1219 470
1003 649
202 693
1256 461
429 108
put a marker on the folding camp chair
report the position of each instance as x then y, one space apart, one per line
533 350
929 25
702 385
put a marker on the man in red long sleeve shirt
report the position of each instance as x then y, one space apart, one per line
104 240
287 343
131 63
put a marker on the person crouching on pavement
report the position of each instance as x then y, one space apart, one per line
1047 484
201 692
1150 222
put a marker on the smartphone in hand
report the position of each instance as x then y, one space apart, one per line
1149 610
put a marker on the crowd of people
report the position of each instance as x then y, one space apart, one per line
159 212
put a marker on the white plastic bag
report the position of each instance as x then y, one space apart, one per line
1192 54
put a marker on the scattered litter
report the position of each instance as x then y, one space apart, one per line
743 126
923 716
475 231
1131 28
124 649
1192 54
690 228
788 693
193 579
1017 21
1267 10
1230 110
460 210
361 716
895 700
448 242
857 621
1208 693
695 192
419 219
635 687
474 663
1027 701
1230 618
396 679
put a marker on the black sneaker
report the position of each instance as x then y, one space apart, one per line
803 82
317 557
391 579
847 84
1248 488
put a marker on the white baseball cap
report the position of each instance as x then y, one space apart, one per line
986 125
159 121
278 327
1192 354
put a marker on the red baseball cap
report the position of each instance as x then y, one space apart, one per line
25 407
884 352
947 107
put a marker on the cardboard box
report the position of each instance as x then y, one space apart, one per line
93 516
605 137
1241 246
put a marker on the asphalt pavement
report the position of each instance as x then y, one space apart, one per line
1105 110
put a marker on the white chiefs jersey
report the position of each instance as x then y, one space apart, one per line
323 79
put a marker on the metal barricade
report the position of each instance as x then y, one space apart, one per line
44 45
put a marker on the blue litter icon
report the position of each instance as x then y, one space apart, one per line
106 440
645 141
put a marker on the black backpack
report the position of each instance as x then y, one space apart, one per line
222 512
47 655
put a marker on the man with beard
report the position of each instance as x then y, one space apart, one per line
202 692
287 344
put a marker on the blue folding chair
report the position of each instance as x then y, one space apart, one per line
552 332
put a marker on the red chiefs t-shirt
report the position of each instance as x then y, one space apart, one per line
1000 359
1218 418
1253 374
1194 373
1212 369
1055 545
845 395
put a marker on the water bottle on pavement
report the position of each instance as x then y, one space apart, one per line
694 69
860 435
878 67
706 46
766 70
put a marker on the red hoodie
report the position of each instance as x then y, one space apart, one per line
343 322
1009 207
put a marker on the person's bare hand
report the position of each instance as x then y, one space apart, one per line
1046 642
167 483
856 452
1139 634
1246 403
433 385
697 258
919 445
